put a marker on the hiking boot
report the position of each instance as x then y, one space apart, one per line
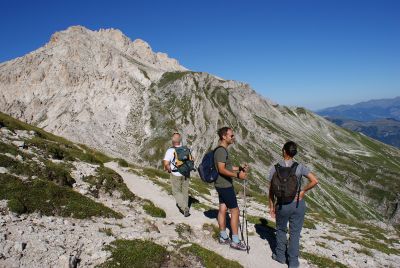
180 210
186 213
224 241
275 258
239 246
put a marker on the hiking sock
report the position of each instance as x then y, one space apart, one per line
223 234
235 239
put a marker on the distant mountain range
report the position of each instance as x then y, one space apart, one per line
366 111
101 89
378 119
384 130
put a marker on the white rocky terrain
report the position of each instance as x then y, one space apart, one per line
103 90
50 238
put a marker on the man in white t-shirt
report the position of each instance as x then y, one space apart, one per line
179 183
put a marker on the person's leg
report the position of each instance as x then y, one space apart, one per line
296 221
282 218
222 217
179 193
185 194
231 203
234 220
175 185
235 224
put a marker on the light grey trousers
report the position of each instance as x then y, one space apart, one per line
180 190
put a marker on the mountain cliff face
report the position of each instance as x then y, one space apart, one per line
101 89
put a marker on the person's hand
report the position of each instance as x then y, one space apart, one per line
272 212
242 175
302 194
246 168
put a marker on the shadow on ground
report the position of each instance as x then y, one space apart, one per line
213 214
266 232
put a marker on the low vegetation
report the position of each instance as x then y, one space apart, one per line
49 199
107 231
153 210
154 173
209 258
109 181
55 146
213 229
58 173
183 230
135 253
321 261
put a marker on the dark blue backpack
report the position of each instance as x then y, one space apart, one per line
207 170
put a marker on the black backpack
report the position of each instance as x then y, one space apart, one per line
183 159
285 184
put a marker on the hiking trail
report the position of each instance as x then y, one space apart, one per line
260 251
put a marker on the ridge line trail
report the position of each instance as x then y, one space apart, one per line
260 252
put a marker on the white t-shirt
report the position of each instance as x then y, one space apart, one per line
169 156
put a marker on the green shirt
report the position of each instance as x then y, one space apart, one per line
221 155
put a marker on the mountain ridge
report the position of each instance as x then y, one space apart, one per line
126 105
367 110
372 118
34 205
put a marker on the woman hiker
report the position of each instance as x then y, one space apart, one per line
287 204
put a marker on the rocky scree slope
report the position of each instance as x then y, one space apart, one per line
60 206
101 89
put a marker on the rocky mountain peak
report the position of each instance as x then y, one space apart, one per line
101 89
83 41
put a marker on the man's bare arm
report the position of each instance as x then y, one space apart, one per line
224 171
166 165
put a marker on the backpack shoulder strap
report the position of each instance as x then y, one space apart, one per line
293 168
277 166
175 156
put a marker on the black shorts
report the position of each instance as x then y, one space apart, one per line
227 196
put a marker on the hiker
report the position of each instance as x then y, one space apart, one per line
287 204
226 192
178 162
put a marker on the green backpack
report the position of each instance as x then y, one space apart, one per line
183 159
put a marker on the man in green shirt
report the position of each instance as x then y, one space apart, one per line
226 192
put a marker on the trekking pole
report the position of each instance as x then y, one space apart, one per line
244 217
241 225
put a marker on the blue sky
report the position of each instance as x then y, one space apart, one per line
300 53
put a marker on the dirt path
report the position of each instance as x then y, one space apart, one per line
260 253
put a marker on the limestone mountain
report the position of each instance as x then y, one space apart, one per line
101 89
65 205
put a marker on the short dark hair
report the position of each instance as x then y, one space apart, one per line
290 148
222 132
